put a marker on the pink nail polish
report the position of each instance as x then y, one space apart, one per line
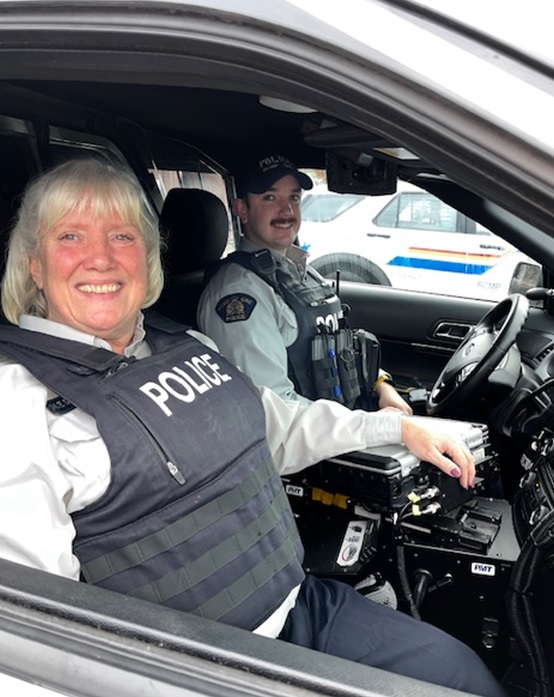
455 472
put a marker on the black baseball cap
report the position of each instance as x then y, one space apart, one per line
264 172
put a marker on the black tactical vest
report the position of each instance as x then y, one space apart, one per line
195 516
312 300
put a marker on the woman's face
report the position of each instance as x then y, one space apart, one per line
93 274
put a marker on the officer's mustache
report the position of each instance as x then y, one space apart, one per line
284 221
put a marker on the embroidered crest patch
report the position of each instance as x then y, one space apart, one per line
235 308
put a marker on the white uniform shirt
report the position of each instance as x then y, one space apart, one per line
55 465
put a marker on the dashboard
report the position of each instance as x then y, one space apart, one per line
471 562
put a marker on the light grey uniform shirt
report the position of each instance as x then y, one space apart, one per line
258 344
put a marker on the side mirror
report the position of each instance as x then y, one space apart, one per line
525 277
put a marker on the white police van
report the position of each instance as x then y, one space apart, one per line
410 240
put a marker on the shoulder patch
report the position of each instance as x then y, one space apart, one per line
236 307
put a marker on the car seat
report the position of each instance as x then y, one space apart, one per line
195 226
6 221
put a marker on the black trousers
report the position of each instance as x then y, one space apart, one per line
332 617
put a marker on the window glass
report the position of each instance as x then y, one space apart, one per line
65 144
410 240
321 209
419 211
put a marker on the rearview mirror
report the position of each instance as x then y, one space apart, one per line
366 175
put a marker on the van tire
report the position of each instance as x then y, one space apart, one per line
352 267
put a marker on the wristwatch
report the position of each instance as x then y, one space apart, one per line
383 377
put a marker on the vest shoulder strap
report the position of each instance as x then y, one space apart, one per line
260 262
15 343
164 324
14 339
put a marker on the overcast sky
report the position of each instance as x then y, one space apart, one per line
524 23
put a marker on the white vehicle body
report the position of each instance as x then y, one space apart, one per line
416 240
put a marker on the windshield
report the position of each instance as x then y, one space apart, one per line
321 208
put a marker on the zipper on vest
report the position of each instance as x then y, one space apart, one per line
123 363
170 466
175 472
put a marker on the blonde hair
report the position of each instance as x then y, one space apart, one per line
74 186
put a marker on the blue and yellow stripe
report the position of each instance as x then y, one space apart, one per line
443 260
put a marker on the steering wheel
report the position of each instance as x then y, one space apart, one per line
481 351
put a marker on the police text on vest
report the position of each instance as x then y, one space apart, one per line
185 382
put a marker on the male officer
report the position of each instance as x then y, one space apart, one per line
264 305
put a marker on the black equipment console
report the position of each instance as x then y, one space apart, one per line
383 514
387 478
535 497
529 601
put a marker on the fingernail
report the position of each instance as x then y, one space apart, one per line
455 472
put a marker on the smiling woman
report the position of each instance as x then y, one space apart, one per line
92 273
84 253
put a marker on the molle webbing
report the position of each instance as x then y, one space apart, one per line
213 561
125 558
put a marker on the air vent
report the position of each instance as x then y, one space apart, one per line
544 353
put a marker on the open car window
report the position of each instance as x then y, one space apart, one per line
411 240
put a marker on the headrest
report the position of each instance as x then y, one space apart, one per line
195 226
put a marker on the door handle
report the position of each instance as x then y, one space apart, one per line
455 331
